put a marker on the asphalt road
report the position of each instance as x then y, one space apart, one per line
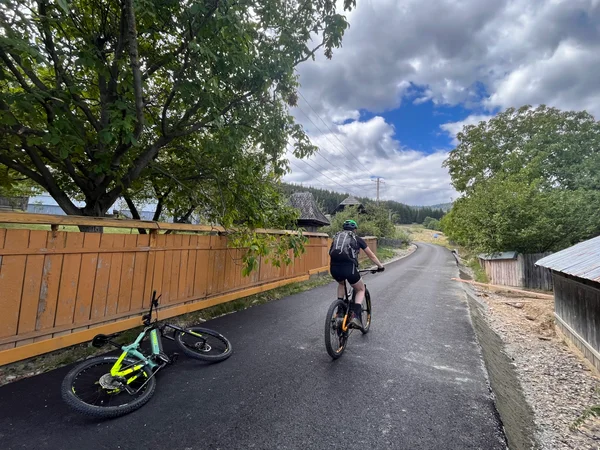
416 381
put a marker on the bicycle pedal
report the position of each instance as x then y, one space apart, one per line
163 358
174 357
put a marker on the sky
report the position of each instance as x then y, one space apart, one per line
412 73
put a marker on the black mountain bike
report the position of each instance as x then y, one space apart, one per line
111 386
337 325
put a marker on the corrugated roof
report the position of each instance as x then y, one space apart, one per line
309 211
582 260
498 256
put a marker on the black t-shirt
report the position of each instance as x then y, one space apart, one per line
359 245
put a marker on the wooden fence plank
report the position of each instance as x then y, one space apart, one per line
127 269
32 284
12 271
183 266
159 266
103 269
175 270
114 283
50 284
87 277
191 267
68 282
149 278
166 280
139 273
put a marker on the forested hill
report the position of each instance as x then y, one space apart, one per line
329 200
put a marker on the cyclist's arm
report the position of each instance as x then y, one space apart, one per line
373 257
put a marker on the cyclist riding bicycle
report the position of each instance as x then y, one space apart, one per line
343 254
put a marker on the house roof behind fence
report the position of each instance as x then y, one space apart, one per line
309 211
581 260
350 201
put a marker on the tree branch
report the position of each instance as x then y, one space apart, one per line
311 53
204 122
135 67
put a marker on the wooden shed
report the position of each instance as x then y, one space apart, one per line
350 201
576 274
516 269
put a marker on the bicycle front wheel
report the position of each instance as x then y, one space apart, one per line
202 343
335 337
91 390
366 313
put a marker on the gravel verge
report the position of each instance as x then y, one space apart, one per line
559 385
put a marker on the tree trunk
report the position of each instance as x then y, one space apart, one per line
134 213
92 210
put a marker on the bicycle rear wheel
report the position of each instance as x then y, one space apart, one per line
89 388
335 337
202 343
366 312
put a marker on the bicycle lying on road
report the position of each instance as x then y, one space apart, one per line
337 325
111 386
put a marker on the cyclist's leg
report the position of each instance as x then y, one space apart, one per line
340 273
359 289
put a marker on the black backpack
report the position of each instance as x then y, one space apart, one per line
343 247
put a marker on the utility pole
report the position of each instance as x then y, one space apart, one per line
379 181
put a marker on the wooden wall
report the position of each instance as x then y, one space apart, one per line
61 288
577 309
520 272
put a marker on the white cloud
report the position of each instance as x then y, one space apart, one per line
453 128
356 152
482 54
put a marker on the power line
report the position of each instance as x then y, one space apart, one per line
324 168
345 188
331 131
324 134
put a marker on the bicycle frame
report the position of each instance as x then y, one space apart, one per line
132 349
349 299
156 335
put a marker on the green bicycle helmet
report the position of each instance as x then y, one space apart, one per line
350 225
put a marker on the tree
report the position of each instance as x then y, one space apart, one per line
98 97
560 148
529 179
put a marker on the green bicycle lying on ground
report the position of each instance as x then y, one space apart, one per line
111 386
337 326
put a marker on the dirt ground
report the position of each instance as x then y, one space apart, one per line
560 386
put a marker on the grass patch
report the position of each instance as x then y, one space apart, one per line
593 411
418 233
478 270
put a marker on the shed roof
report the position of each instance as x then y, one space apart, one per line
581 260
309 211
498 256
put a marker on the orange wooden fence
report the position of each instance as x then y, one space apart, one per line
60 288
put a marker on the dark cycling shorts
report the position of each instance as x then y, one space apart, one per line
345 272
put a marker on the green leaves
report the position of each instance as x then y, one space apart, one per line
530 181
64 5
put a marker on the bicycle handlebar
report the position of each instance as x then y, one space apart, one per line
372 270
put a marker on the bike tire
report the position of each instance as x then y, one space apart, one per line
366 312
220 349
335 338
71 398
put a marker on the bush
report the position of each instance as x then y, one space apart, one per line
374 222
